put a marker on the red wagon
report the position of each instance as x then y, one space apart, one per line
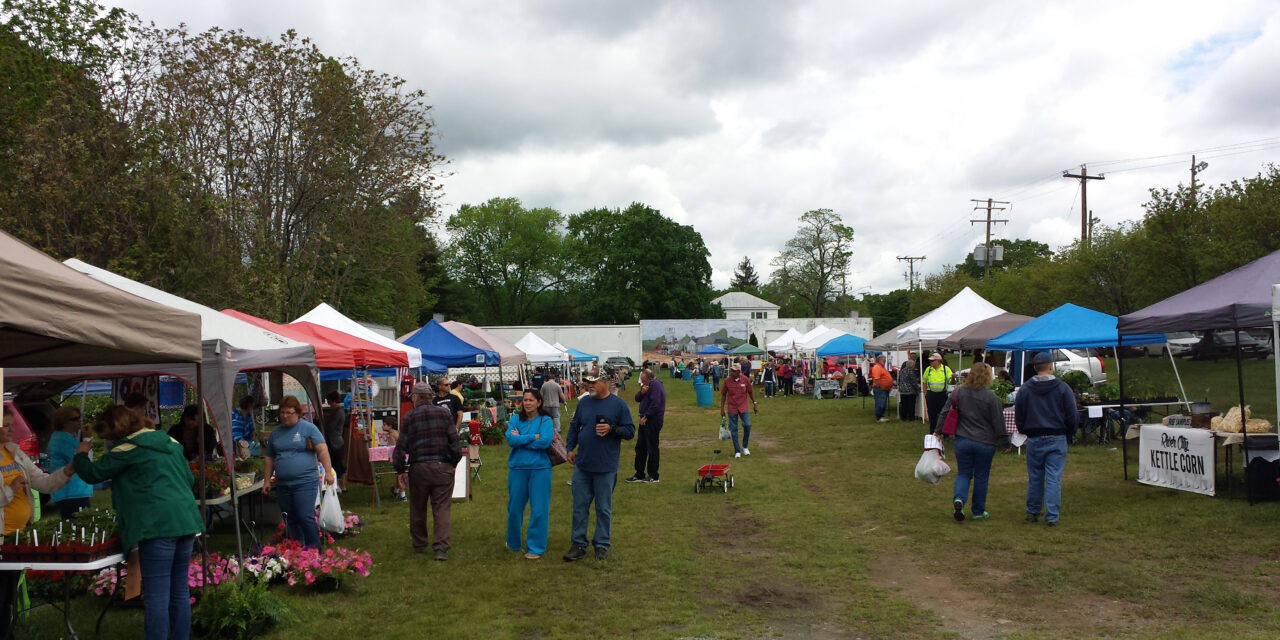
713 475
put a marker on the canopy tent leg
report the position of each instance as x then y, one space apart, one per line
1244 422
1124 441
1176 375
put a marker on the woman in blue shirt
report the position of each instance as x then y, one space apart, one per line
529 474
292 451
62 448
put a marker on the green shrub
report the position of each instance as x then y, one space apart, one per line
1002 389
239 610
1077 380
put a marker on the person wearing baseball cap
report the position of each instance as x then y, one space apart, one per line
600 423
935 379
1045 411
734 394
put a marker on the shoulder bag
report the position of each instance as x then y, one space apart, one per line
952 419
556 452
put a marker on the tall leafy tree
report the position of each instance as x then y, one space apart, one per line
814 264
745 278
636 263
886 310
509 256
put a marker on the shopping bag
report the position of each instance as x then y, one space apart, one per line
724 428
331 511
931 467
556 452
952 419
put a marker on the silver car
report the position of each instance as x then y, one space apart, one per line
1177 344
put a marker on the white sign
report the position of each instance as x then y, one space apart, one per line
1177 458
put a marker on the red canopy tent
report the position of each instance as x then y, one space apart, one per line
334 349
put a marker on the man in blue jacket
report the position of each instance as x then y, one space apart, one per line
599 425
1045 411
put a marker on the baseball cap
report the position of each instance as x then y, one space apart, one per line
421 389
593 378
935 356
1041 358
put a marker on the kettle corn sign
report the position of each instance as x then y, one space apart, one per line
1176 458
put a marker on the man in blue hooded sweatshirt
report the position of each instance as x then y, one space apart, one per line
1045 411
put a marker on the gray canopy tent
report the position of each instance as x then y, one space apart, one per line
976 335
1238 299
228 346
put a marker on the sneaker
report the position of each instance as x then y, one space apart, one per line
602 553
532 556
746 451
738 454
981 516
1032 517
569 482
442 555
959 507
403 497
652 481
882 420
635 479
575 554
1051 523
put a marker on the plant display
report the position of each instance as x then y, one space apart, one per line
1109 393
1077 380
89 535
1002 389
239 610
215 481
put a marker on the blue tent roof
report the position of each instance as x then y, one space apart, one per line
447 350
714 350
845 345
579 355
1067 327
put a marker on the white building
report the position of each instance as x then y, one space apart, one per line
738 305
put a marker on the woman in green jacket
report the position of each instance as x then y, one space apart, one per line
156 510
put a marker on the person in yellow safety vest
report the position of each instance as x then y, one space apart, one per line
935 378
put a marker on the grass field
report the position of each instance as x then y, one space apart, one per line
826 535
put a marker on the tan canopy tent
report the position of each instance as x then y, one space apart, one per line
54 316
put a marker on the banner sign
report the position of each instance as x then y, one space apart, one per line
1177 458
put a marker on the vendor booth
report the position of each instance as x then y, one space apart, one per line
1239 299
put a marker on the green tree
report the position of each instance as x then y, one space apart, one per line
886 310
507 255
814 264
635 263
1017 253
745 278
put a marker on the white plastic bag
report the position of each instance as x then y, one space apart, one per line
931 467
725 434
331 519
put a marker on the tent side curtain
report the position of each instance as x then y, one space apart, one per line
1238 299
1068 327
444 349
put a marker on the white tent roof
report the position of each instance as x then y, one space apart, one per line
811 334
562 348
964 309
326 316
537 349
822 338
785 341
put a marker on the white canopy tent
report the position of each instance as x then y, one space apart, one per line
814 342
538 350
785 341
962 310
326 316
809 335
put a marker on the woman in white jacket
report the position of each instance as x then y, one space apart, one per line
17 475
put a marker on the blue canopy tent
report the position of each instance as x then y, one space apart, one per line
846 345
580 356
1068 327
713 350
443 349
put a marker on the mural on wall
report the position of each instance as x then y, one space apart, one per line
676 337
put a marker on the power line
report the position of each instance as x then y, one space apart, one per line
986 264
911 264
1084 179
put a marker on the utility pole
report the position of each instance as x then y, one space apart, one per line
1084 179
911 264
986 264
1195 169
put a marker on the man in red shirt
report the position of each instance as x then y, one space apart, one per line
735 393
881 383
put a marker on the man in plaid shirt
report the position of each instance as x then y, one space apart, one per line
429 450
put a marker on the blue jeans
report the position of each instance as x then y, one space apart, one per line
1046 456
589 486
973 459
768 389
882 401
167 606
531 487
298 509
746 429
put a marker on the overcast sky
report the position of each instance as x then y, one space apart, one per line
738 116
